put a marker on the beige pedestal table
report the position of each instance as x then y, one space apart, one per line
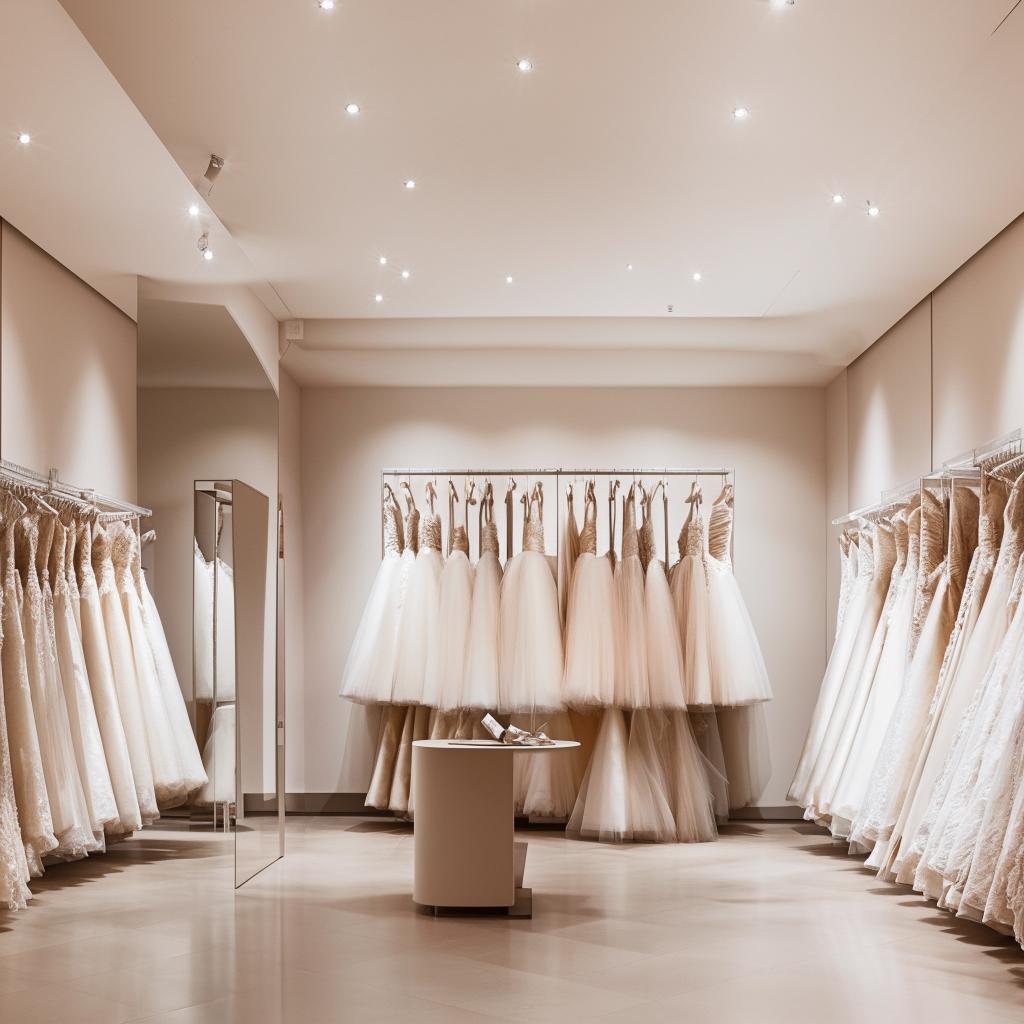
466 856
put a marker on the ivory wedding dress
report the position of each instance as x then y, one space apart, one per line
481 687
85 730
632 689
529 636
689 584
416 664
738 672
21 775
193 773
123 668
602 807
568 552
104 693
370 666
591 621
454 610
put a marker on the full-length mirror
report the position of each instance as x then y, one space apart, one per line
208 423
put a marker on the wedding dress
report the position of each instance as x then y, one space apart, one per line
100 673
664 651
219 759
168 774
738 672
860 605
602 807
847 576
852 694
454 610
591 621
693 782
123 669
689 584
888 678
193 773
370 667
481 686
650 811
632 689
568 552
981 624
85 731
529 635
21 773
416 664
68 809
202 624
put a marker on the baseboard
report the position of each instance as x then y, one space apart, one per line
354 804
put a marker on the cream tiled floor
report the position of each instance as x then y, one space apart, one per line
771 924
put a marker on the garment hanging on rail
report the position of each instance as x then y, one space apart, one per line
91 744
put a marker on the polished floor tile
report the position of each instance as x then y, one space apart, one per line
770 918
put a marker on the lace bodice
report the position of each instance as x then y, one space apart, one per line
58 552
963 537
460 540
393 540
901 537
913 539
588 535
884 550
1013 526
533 529
47 526
430 531
412 530
70 549
691 536
26 543
489 539
720 527
122 548
630 542
995 492
933 533
101 560
646 539
866 553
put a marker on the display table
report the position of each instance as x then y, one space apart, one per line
466 857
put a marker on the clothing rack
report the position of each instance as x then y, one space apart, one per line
51 483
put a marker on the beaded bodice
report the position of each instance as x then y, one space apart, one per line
884 548
691 536
630 542
101 560
70 549
866 554
460 540
933 533
392 528
588 535
121 548
964 528
58 553
412 530
430 531
901 535
995 493
646 538
720 527
1013 525
26 544
47 524
533 529
489 539
913 539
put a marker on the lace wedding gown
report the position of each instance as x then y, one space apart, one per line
370 667
21 773
738 672
85 729
104 692
591 622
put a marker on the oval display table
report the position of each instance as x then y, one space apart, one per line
466 857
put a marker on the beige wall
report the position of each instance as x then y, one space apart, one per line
774 438
67 373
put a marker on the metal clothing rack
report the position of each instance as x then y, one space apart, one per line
51 483
558 472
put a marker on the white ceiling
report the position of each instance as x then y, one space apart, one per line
618 148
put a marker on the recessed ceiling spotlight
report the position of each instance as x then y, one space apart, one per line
837 198
207 254
409 183
781 5
629 266
740 113
524 64
698 276
352 108
405 275
873 210
193 210
509 279
325 5
204 245
382 260
24 138
378 297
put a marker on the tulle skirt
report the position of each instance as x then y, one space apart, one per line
692 781
691 601
481 680
591 617
648 797
219 759
529 637
546 783
664 651
602 806
370 668
416 664
453 633
632 689
738 672
748 764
